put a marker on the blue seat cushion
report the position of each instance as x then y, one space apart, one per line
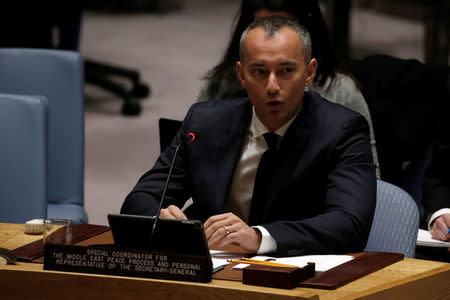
67 211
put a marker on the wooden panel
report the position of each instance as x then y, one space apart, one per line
12 236
55 285
417 278
392 281
429 285
406 279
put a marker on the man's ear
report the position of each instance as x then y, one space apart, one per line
240 74
311 71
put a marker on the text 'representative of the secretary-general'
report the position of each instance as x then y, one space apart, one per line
137 263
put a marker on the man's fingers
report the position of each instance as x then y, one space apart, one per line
228 239
220 234
439 229
222 230
216 222
214 227
446 225
215 219
166 214
172 212
446 220
175 211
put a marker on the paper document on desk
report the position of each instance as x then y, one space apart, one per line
424 239
323 262
220 258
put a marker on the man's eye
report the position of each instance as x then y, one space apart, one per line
288 70
259 72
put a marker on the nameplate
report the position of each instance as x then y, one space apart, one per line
110 260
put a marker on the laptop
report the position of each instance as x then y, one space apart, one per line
171 236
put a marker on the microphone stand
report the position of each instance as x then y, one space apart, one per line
185 139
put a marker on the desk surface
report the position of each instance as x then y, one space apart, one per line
407 279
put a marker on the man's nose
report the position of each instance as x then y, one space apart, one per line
272 84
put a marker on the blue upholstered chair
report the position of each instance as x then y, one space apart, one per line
396 221
58 76
23 158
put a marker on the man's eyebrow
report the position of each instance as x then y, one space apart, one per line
256 64
283 63
288 63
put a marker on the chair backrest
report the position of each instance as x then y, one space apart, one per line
23 158
168 128
58 76
396 221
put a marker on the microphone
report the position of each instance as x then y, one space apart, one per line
188 137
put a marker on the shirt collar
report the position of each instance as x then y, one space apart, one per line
257 128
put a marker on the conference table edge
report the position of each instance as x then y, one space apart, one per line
432 284
38 282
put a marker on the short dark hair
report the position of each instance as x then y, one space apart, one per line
272 25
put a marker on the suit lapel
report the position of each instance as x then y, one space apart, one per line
228 148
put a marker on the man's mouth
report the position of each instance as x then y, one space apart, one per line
273 103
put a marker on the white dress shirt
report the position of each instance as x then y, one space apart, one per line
240 196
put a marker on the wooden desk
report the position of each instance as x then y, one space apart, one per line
407 279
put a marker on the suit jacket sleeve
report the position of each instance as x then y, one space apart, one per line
145 197
349 202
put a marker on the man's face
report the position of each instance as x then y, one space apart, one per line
274 73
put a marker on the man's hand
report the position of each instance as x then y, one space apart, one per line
172 212
439 228
228 229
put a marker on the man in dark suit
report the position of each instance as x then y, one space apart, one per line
408 102
318 191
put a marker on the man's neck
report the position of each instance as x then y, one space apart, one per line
262 128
